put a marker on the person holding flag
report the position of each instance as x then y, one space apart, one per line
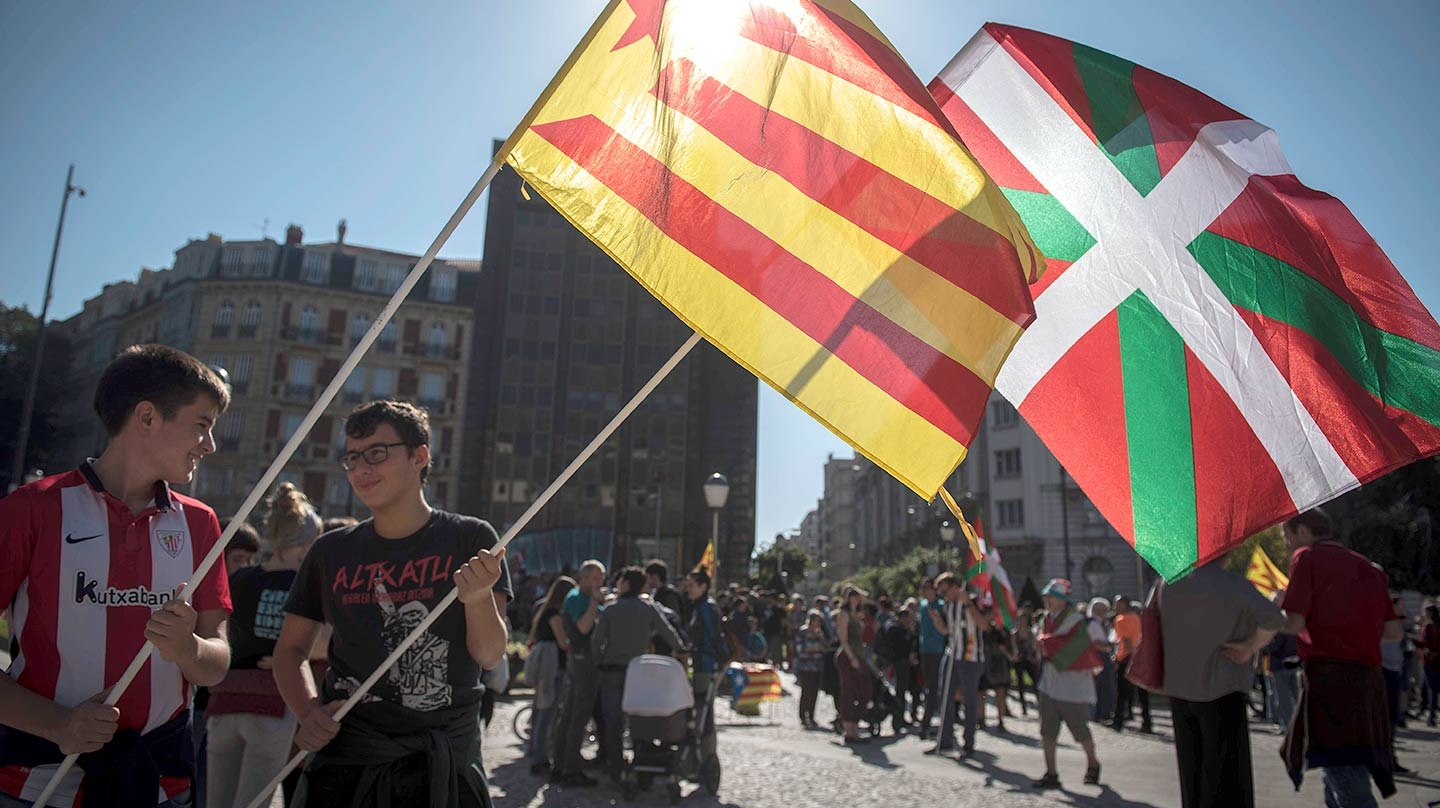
1067 642
966 659
79 552
416 735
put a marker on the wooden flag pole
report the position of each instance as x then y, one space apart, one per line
266 479
620 417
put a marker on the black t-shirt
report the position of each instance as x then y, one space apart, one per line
259 598
543 632
374 591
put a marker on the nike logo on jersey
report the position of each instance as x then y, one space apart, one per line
70 538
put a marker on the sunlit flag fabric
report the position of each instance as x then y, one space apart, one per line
780 179
1263 573
1216 345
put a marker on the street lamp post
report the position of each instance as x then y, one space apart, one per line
1065 523
27 410
717 490
947 535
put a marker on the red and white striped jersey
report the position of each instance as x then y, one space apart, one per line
81 575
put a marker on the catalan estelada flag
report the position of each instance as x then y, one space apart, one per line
779 178
1263 573
1217 346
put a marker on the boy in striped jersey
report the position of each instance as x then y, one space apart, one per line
92 564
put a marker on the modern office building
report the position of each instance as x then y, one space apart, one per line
563 338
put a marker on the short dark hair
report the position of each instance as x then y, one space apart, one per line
411 423
659 569
164 376
701 576
337 522
634 577
1316 519
246 538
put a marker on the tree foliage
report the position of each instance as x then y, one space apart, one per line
18 328
781 557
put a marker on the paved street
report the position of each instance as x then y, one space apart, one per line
771 761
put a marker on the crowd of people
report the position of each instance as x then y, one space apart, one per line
306 609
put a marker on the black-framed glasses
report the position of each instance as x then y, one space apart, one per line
372 455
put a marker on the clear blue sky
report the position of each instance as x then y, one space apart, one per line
185 118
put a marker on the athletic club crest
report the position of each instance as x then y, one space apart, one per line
171 541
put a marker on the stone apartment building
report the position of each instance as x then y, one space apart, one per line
281 318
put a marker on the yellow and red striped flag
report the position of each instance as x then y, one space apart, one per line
1263 573
778 177
708 560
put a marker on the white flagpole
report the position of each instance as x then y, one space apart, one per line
294 443
947 695
264 796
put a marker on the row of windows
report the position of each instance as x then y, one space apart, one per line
308 323
239 367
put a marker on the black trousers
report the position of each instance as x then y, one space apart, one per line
1212 746
1128 694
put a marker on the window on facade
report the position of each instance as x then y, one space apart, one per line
432 387
442 285
316 264
260 262
232 426
1007 463
393 277
367 275
1010 513
226 483
1002 414
233 261
339 491
251 317
382 382
302 371
387 334
359 324
354 391
241 369
436 338
290 426
225 315
309 322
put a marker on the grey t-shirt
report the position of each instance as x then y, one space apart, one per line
1200 613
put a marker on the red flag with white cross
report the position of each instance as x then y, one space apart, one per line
1216 346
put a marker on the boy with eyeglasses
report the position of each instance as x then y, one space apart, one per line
414 739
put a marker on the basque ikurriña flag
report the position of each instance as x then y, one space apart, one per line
779 178
1216 345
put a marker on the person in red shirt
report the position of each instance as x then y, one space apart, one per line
1338 603
92 564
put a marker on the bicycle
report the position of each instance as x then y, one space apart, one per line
521 726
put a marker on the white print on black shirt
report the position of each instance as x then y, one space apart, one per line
421 677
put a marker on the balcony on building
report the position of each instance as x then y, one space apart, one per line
314 336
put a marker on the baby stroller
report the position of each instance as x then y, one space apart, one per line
659 707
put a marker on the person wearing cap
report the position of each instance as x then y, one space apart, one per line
855 683
1067 642
248 728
